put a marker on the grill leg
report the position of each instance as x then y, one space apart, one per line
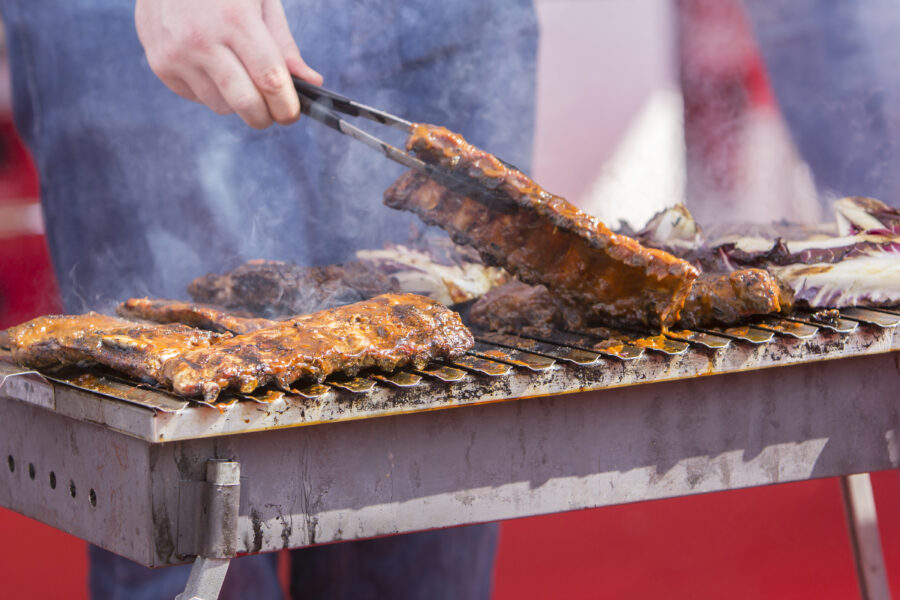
223 484
862 521
205 581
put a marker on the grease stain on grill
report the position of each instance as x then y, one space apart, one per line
442 373
518 358
256 522
287 527
789 328
712 342
311 391
837 324
561 353
743 333
162 536
660 343
614 348
356 385
483 366
265 396
400 379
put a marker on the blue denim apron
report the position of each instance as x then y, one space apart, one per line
834 69
143 191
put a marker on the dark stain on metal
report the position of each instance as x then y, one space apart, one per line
256 521
162 537
184 462
311 523
287 527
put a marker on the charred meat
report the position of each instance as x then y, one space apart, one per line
269 288
385 332
138 350
715 299
202 316
545 240
518 308
728 298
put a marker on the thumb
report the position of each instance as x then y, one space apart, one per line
276 22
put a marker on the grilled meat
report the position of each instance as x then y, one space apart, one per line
135 349
715 299
544 240
385 332
269 288
727 298
203 316
519 308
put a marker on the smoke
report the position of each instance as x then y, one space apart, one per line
143 191
833 71
742 165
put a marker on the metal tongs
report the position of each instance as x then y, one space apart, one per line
324 105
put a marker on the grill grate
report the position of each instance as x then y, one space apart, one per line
497 357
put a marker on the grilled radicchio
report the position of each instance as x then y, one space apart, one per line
869 278
860 267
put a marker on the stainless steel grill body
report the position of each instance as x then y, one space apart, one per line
130 473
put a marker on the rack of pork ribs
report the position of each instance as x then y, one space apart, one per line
585 273
578 274
385 332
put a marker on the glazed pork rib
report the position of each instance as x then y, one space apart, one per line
715 299
544 239
138 350
728 298
203 316
385 332
522 309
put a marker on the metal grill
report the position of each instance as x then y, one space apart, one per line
499 367
161 480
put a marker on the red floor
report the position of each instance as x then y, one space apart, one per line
786 541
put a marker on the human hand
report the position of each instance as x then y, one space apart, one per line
231 55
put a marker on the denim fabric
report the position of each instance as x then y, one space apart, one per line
115 578
143 191
450 564
833 67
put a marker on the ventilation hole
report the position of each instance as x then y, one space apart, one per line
52 480
31 470
72 488
92 496
12 463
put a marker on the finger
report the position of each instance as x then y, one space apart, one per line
276 21
254 46
236 87
206 92
180 87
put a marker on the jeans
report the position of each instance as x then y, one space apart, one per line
833 67
449 564
142 191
